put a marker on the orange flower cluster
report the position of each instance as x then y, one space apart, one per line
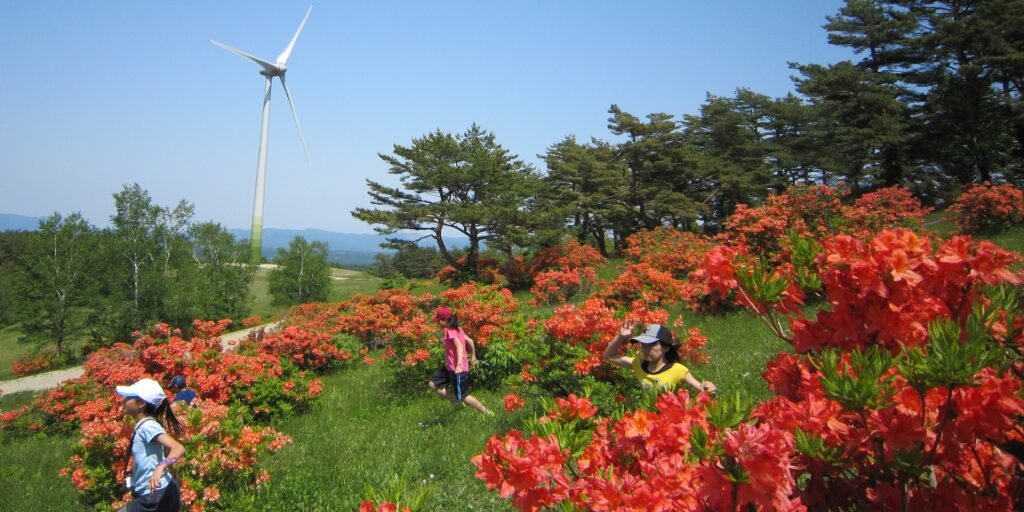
988 208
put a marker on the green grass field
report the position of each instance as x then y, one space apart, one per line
10 350
357 436
29 467
29 478
344 284
1012 239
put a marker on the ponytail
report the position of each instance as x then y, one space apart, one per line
165 415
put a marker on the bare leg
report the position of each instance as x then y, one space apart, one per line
474 403
443 393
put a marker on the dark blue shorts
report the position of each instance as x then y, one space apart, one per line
456 383
167 499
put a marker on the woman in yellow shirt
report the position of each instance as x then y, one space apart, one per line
659 364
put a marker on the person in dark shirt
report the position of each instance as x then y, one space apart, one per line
181 392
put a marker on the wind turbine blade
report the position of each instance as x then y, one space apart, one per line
269 66
295 115
283 58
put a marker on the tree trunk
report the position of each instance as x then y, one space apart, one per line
598 231
302 268
443 249
472 256
59 331
892 169
137 317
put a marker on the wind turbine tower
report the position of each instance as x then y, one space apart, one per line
269 70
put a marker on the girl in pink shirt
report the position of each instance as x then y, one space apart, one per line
459 354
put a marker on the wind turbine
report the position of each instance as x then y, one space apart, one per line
269 71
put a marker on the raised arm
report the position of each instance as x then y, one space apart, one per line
611 351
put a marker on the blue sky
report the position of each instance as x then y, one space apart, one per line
99 94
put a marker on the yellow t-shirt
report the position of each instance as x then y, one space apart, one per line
669 377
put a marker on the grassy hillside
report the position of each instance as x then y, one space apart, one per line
10 350
344 284
357 435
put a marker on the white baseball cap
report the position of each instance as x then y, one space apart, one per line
147 390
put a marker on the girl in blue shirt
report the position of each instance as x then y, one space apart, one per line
153 449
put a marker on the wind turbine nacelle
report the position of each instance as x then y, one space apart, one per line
279 71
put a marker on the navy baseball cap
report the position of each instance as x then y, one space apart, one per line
655 333
178 381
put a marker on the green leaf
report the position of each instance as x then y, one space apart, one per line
863 385
729 410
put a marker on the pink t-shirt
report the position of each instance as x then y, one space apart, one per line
451 337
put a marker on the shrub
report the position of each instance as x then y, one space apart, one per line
570 254
667 249
35 362
561 285
904 394
226 433
988 208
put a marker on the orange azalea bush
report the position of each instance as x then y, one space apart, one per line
561 285
667 249
222 449
988 208
904 394
885 208
652 461
35 362
225 433
804 209
785 233
482 310
570 254
488 271
387 317
306 349
814 211
564 270
645 282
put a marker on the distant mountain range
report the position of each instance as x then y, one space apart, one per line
11 222
347 249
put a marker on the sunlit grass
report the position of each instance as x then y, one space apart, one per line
358 436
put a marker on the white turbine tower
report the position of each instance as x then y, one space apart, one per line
269 71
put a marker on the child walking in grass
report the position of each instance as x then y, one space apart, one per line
153 450
451 381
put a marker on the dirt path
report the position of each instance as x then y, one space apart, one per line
230 340
41 381
337 274
49 380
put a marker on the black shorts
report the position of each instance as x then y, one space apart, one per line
167 499
457 383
